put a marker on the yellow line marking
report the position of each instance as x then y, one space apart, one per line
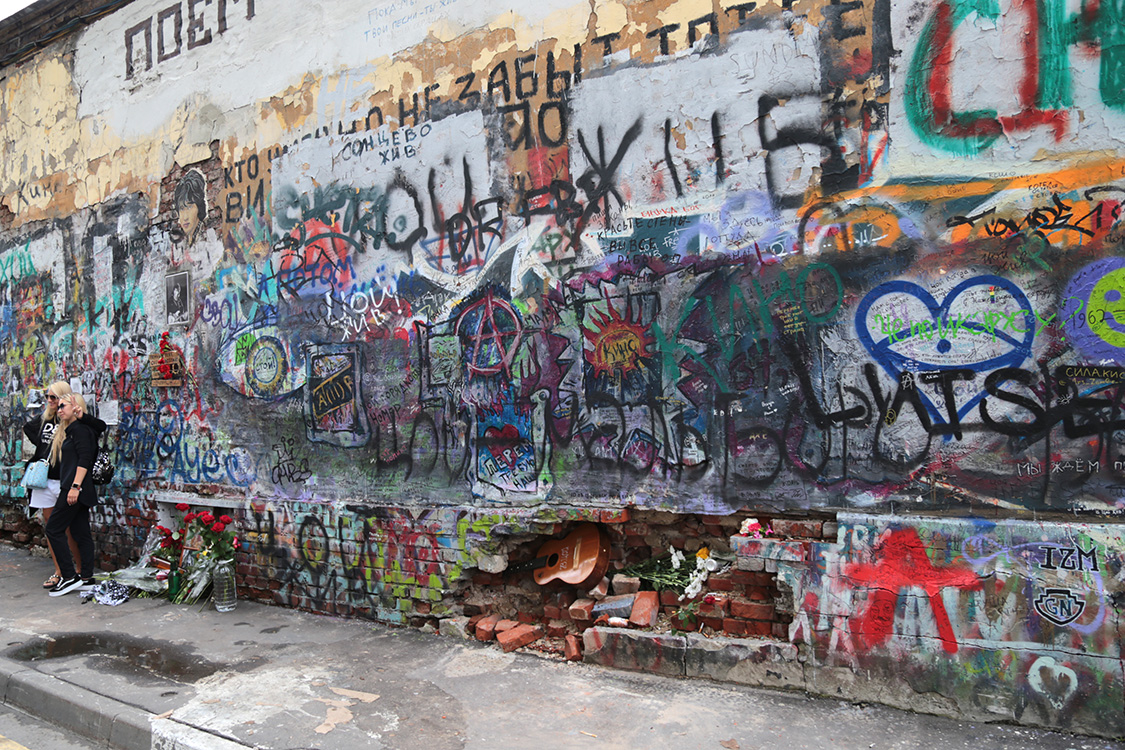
7 744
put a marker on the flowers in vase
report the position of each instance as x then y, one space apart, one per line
212 540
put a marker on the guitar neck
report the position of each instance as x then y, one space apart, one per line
538 562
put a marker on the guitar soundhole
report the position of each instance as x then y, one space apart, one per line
553 560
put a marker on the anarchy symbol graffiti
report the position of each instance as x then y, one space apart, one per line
492 330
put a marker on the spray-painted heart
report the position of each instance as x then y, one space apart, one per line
1055 682
949 326
502 443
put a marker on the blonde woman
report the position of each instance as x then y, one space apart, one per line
74 447
40 431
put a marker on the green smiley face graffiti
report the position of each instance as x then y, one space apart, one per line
1105 310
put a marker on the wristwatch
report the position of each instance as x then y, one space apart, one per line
76 487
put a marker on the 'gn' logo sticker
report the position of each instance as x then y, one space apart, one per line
1060 606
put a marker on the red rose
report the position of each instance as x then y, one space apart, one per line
237 544
182 506
218 528
161 529
225 519
189 518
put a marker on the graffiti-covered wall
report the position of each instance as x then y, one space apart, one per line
393 279
1011 620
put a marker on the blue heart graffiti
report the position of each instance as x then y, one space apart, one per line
895 363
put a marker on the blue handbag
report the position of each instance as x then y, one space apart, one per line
35 476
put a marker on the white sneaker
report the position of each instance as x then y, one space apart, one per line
65 587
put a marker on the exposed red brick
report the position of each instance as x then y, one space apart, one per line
714 529
486 628
645 608
719 606
780 630
715 623
751 610
732 626
562 598
526 617
572 648
720 584
757 593
756 579
669 598
626 584
519 636
685 624
422 608
558 628
582 610
634 540
807 529
759 627
599 591
747 577
505 625
551 612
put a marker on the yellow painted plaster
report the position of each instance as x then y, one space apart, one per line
612 16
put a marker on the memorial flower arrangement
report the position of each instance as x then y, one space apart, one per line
673 571
163 363
171 542
752 527
193 546
213 540
217 537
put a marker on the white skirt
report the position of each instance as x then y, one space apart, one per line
45 497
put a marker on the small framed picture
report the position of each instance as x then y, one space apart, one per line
177 298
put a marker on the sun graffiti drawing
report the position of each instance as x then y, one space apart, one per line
619 343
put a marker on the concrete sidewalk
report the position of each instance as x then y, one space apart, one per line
149 674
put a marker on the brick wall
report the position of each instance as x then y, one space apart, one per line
742 601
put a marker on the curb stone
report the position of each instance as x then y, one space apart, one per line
75 709
97 717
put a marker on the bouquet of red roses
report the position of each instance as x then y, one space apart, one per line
216 535
171 546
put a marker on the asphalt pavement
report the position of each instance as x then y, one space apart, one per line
151 674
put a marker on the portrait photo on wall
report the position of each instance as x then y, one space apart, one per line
177 299
190 203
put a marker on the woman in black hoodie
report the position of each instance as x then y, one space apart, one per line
39 432
74 448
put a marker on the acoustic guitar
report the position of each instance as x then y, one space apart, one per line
581 559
